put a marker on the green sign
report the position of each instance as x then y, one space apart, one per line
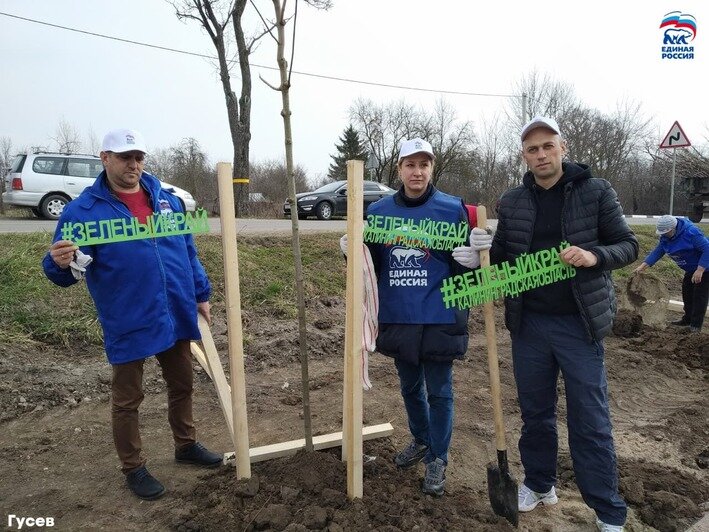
426 233
125 229
499 280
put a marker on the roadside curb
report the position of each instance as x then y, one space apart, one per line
645 216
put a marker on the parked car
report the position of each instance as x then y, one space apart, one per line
331 199
45 182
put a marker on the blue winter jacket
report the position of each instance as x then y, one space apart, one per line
688 247
145 291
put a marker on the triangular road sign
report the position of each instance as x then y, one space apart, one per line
675 138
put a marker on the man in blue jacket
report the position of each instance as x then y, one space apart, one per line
689 248
147 294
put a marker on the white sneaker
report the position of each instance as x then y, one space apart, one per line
605 527
527 499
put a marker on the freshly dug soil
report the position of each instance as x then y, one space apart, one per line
58 457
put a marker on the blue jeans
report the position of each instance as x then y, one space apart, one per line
427 390
544 345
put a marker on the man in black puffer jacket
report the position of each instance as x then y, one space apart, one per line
561 326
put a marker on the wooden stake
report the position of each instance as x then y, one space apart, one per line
235 333
324 441
202 359
352 407
216 373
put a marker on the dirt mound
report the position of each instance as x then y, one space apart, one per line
627 324
646 288
664 497
59 459
303 492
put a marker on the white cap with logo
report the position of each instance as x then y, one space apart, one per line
540 121
412 146
123 140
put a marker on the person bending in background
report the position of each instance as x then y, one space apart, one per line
685 244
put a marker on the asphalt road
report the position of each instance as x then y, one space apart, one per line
243 226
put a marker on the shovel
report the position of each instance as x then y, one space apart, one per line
501 486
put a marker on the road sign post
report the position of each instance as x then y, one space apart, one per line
674 139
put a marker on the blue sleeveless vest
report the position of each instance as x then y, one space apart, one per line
410 278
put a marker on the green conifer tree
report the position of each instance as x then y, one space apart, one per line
349 147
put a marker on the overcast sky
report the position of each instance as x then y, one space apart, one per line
608 50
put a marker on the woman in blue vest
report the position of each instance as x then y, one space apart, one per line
415 328
685 243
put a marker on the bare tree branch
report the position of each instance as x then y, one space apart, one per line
292 50
267 83
67 137
266 25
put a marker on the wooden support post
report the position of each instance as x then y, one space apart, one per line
352 411
216 373
202 359
235 333
678 306
324 441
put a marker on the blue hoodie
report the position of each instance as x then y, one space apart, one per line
145 291
688 247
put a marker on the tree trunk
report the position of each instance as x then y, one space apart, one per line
284 89
241 136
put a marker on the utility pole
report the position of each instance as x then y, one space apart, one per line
524 121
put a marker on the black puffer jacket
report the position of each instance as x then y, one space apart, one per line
592 219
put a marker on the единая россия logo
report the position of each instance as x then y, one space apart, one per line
679 30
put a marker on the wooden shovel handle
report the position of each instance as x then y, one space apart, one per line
493 366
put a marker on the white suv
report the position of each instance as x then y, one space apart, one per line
46 182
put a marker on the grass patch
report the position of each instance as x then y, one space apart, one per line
17 212
34 310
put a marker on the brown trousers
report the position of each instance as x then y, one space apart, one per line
127 395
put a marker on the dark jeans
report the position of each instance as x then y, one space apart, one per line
427 390
127 394
544 345
695 298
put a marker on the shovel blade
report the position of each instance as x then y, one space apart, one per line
502 490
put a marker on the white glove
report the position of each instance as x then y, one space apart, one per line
480 239
466 256
79 264
343 245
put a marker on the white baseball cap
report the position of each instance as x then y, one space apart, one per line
540 121
123 140
417 145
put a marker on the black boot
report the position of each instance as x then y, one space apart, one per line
144 485
197 454
682 323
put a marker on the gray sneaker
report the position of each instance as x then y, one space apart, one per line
411 455
435 480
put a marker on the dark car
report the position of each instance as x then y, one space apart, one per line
331 199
